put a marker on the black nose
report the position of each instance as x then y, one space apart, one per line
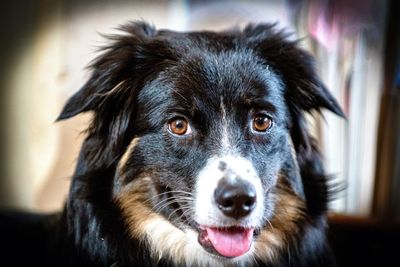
235 197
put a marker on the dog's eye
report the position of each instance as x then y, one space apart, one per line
261 122
179 126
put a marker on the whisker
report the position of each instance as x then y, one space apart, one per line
162 202
170 201
175 211
270 224
173 199
169 192
189 210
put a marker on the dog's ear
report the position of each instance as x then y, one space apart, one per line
304 89
118 63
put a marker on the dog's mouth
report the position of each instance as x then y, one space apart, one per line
229 242
223 241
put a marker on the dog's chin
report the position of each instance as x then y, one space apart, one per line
226 242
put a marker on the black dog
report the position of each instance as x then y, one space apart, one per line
198 155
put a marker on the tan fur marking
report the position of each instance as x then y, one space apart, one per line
294 154
283 225
128 152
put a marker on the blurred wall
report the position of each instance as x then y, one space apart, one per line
46 48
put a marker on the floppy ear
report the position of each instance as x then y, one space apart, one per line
133 58
304 90
118 63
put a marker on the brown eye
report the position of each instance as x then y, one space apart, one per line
179 126
261 123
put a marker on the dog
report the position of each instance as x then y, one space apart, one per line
198 154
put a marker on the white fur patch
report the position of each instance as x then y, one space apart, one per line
225 143
207 212
182 247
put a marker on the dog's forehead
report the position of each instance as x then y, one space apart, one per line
201 81
236 77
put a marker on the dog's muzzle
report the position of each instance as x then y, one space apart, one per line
229 206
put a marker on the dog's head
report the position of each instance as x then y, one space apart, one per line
199 142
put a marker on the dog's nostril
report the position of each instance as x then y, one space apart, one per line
226 203
235 198
222 165
249 203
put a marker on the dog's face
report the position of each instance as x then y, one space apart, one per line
200 129
214 141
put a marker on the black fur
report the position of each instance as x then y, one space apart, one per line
133 85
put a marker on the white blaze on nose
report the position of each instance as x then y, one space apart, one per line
225 143
206 211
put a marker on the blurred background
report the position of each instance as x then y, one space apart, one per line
46 44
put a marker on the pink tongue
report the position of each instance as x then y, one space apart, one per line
232 242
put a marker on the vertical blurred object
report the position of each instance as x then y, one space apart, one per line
31 101
15 189
387 184
348 40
